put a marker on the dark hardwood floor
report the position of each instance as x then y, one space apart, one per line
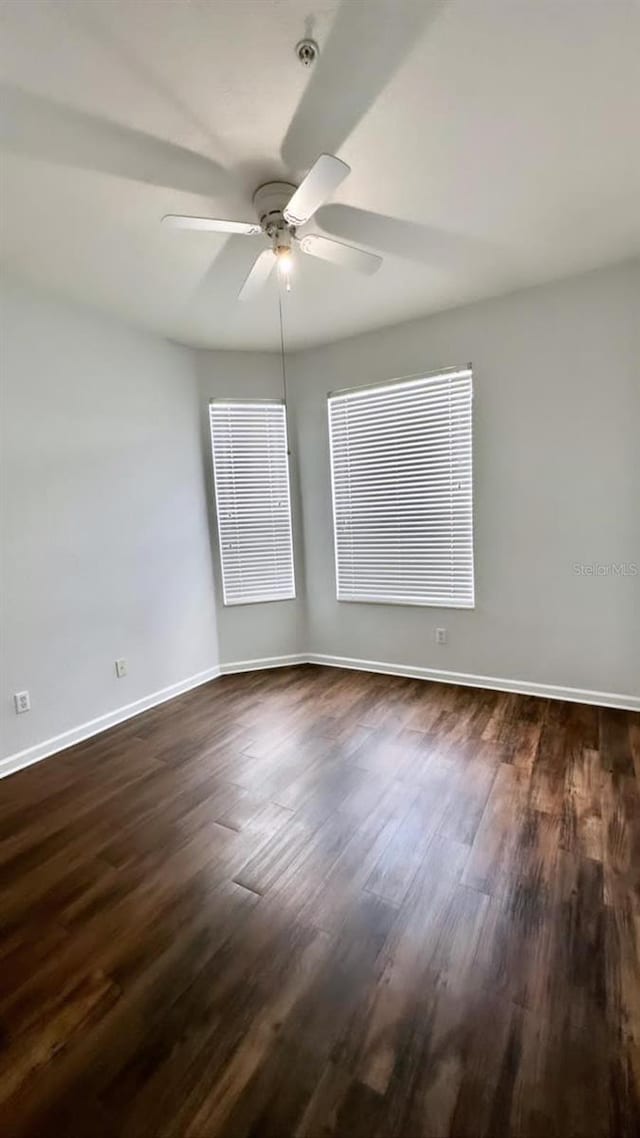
313 902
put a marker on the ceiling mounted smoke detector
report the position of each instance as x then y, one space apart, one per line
307 52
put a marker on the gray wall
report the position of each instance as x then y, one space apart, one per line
107 507
557 482
105 544
277 628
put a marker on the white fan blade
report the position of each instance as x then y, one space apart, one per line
324 176
367 44
440 248
259 275
41 128
213 224
348 256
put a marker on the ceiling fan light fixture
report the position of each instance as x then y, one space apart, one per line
284 261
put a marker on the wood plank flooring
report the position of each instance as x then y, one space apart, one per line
315 903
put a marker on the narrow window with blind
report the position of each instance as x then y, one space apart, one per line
253 504
401 473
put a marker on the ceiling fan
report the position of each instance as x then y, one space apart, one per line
282 209
324 112
346 78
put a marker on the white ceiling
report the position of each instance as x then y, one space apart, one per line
509 132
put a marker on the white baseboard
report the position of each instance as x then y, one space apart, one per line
468 679
42 750
263 662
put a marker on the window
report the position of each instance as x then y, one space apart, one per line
401 477
251 471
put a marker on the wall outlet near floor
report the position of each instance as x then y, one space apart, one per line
441 636
121 668
22 702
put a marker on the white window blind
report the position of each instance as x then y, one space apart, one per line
401 472
253 506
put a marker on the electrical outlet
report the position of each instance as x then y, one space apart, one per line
121 668
441 636
22 702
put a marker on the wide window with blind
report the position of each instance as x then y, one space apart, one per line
401 473
253 503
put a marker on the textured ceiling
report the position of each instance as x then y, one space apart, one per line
498 139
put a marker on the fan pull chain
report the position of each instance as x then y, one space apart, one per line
282 357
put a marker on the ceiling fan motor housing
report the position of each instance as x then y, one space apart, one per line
269 202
